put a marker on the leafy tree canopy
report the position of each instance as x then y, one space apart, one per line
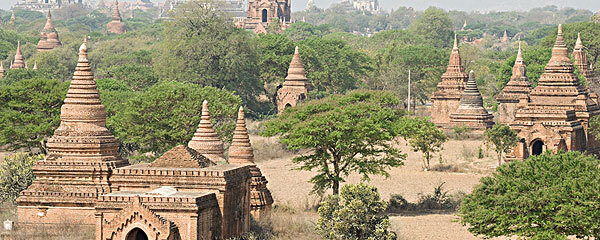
550 196
344 133
16 175
435 26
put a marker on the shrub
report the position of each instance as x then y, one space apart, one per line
438 200
461 131
550 196
16 175
356 213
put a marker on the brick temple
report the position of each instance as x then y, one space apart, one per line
295 87
49 36
470 112
190 192
555 114
116 25
517 86
446 99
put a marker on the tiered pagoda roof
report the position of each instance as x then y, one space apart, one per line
205 140
470 110
19 61
518 84
240 151
49 37
116 25
454 79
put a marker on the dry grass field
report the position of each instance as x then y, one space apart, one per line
460 171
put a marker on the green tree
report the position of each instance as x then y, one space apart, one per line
168 114
276 52
550 196
56 64
535 59
301 31
502 138
136 76
589 32
423 136
29 112
202 46
332 66
435 26
357 213
16 175
344 133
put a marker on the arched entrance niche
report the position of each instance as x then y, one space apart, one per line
287 106
136 234
264 15
537 147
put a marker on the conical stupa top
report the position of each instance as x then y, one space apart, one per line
578 43
35 65
559 63
12 16
205 140
455 42
1 66
519 59
49 25
296 75
455 68
471 97
116 16
240 151
19 62
82 134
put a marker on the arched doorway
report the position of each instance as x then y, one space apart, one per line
264 15
287 106
537 147
136 234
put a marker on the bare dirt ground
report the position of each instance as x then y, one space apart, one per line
291 187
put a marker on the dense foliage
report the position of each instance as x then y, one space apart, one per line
348 133
423 136
502 138
550 196
356 213
16 175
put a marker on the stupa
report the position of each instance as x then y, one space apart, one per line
295 87
48 37
12 17
447 97
582 64
517 85
205 140
19 61
470 112
505 38
116 26
2 71
556 113
240 152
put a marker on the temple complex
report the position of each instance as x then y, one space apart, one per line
264 12
116 26
19 60
470 112
48 37
184 194
555 114
511 93
446 99
582 64
295 87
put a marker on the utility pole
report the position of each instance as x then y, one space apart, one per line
409 91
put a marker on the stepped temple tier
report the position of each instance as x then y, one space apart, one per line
190 192
555 114
517 86
470 112
116 26
446 99
295 87
49 37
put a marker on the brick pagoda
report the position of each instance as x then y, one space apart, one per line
470 112
181 195
517 85
205 140
446 99
19 61
582 64
116 26
48 37
555 115
295 87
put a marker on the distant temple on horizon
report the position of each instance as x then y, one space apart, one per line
44 5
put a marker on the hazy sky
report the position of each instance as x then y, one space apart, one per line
468 5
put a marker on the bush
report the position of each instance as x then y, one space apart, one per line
438 200
16 175
550 196
460 132
357 213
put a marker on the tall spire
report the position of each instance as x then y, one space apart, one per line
295 87
35 65
582 64
578 43
19 61
240 151
455 42
116 25
12 17
455 68
559 64
505 37
82 133
2 70
205 140
296 75
116 16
